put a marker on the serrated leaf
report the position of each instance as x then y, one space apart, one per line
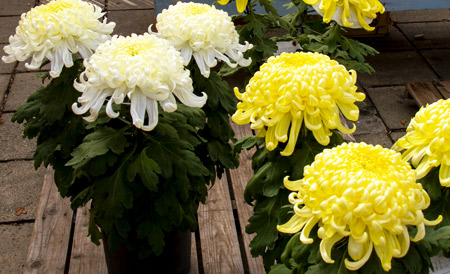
264 223
111 196
357 49
222 152
147 169
98 143
412 261
156 239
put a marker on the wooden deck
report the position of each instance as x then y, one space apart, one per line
59 242
427 93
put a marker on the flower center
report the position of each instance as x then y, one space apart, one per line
195 9
133 49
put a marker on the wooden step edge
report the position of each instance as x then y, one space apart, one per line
423 93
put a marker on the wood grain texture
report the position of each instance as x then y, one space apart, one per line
49 242
86 257
218 236
194 258
239 179
444 88
423 93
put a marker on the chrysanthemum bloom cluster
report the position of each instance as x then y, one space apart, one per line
348 13
240 4
427 141
56 31
204 32
294 87
363 192
144 68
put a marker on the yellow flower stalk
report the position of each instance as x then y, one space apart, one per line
427 141
56 31
363 192
297 87
144 68
204 32
348 13
240 4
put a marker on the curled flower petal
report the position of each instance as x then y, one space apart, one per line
56 31
294 88
364 192
144 68
204 32
427 141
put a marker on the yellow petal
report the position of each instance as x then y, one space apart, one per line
293 135
304 237
292 185
294 225
223 2
444 175
366 251
241 5
326 245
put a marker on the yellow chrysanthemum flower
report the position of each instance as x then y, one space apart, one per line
56 31
427 141
348 13
294 87
204 32
240 4
144 68
363 192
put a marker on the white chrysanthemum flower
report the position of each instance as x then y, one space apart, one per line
56 31
144 68
204 32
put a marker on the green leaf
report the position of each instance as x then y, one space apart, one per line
303 157
438 207
357 49
269 179
219 151
432 185
111 196
264 223
98 143
156 239
280 269
412 261
147 169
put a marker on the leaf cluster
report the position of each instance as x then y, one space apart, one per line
47 116
307 30
142 184
217 154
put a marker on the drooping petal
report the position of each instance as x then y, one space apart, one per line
53 31
205 32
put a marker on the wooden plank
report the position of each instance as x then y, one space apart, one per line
86 257
239 179
49 242
444 88
194 257
423 93
218 236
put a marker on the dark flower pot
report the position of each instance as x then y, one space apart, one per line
176 257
